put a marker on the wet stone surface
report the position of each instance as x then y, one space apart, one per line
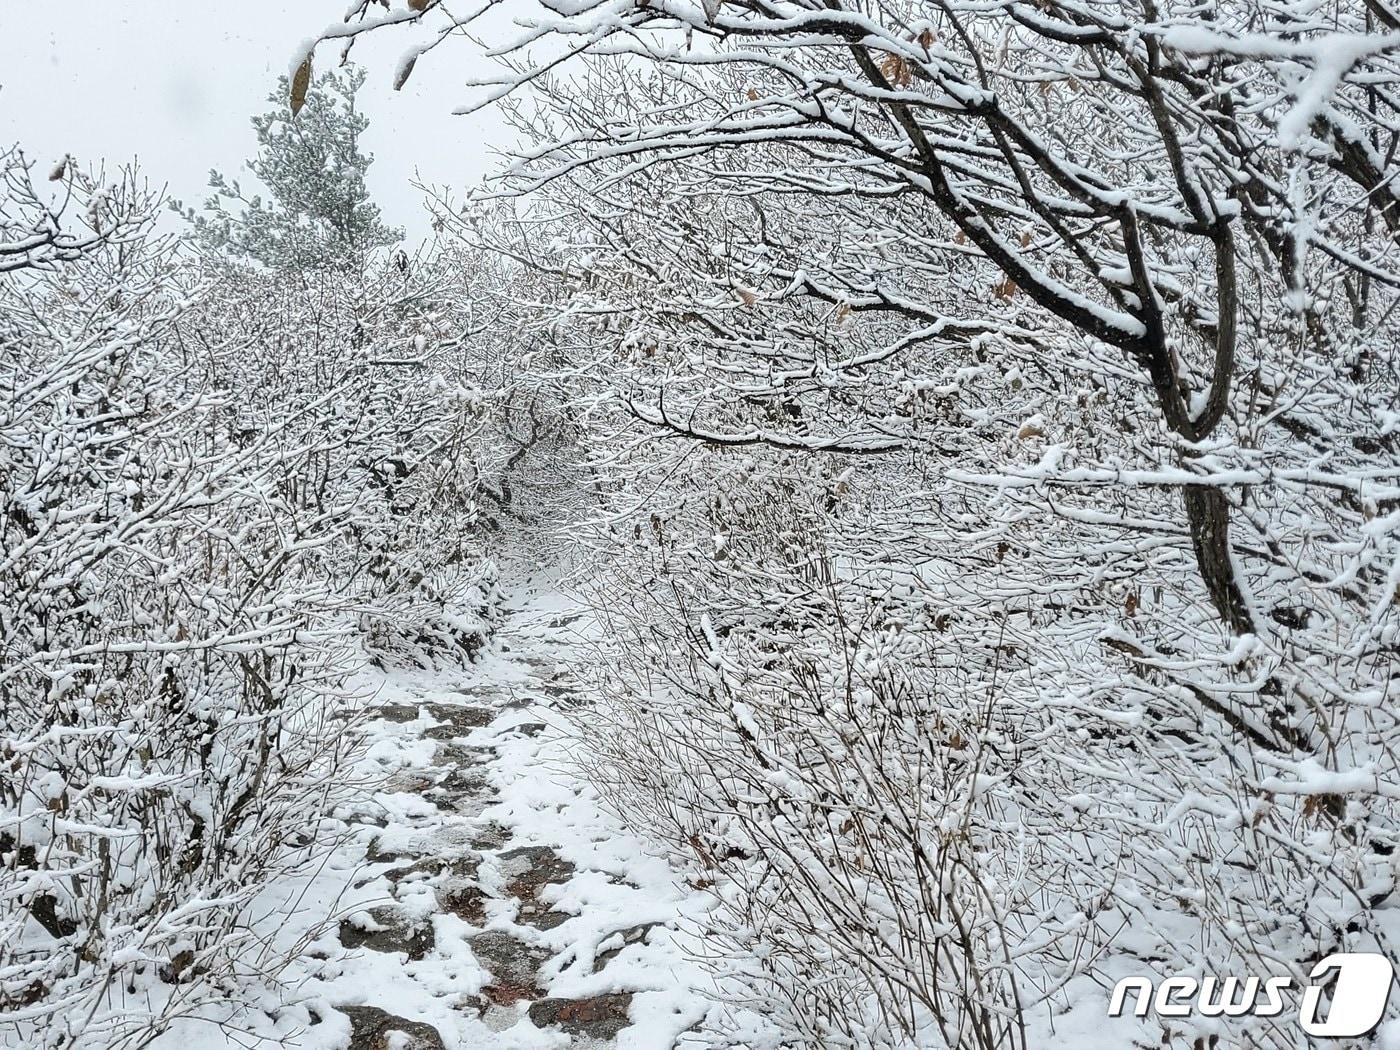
436 868
633 935
530 868
457 720
491 836
466 900
513 964
374 1029
459 789
528 728
376 853
600 1017
399 713
394 932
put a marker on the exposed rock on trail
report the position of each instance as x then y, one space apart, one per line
481 898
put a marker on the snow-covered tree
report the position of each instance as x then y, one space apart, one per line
318 213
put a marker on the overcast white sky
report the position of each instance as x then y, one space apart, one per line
174 85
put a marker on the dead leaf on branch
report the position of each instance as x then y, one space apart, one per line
405 71
301 83
1123 646
896 70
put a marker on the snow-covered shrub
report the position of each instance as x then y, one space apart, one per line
517 339
382 353
823 753
167 638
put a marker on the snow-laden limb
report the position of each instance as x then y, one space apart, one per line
39 230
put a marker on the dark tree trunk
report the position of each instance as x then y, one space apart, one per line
1208 513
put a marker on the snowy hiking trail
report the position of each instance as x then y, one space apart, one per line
482 899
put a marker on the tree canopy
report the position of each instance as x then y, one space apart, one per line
318 212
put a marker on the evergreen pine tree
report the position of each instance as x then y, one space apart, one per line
318 213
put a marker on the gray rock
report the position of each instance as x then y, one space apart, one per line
600 1017
632 935
457 720
514 966
527 870
490 835
397 933
370 1028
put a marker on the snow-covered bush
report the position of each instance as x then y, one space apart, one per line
823 754
927 727
383 353
167 644
222 488
517 341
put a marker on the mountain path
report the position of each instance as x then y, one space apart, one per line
498 905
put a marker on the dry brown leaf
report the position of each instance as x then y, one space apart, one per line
926 39
417 5
752 94
301 83
405 71
895 70
747 296
960 237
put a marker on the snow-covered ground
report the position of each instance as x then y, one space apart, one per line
482 898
